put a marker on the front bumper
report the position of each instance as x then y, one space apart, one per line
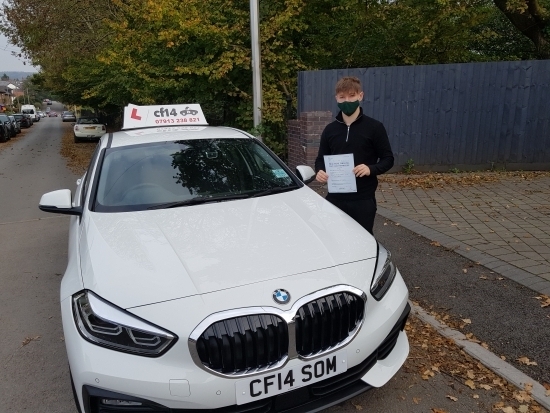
173 383
312 398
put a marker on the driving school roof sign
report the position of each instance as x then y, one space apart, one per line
162 115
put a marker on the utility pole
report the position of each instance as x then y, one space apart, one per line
256 67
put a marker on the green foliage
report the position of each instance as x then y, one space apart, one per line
408 168
454 170
108 53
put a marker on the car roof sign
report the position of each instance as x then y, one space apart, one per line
162 115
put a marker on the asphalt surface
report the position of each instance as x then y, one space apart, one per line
33 246
33 256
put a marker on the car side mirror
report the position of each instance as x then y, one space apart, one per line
305 173
59 202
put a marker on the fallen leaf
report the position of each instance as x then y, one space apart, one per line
467 320
454 399
522 396
476 396
470 384
483 277
503 357
525 360
27 340
485 386
485 345
435 244
470 374
416 400
523 408
464 270
508 409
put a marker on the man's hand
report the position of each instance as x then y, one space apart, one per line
321 176
361 170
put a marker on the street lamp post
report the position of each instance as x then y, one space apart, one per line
256 71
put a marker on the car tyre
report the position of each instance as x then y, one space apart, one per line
76 140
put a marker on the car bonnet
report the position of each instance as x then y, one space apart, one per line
139 258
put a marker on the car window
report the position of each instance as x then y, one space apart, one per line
87 121
134 177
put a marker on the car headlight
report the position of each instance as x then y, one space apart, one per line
104 324
384 273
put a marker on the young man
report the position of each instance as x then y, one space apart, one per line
355 133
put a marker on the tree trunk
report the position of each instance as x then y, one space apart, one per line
530 22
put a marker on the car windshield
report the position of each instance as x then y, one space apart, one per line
87 121
170 174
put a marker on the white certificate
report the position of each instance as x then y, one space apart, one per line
340 173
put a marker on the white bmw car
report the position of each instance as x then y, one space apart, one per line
204 276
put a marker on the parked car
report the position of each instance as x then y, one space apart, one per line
9 125
31 110
15 122
5 133
203 274
25 121
88 128
67 116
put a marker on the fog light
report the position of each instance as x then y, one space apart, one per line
113 402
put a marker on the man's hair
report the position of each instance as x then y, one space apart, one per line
348 84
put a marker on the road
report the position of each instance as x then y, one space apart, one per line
33 367
33 245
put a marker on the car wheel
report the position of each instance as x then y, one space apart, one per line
76 139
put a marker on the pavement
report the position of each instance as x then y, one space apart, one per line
502 223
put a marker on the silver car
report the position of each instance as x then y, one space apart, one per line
67 116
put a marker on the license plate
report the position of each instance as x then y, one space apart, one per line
89 127
281 381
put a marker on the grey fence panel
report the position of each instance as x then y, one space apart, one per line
442 116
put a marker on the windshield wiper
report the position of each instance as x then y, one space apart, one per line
199 200
275 190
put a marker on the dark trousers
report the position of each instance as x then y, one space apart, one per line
361 210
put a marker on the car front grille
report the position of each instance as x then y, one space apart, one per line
247 341
324 323
242 344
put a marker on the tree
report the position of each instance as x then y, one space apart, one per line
115 52
532 18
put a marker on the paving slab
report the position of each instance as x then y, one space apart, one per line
504 224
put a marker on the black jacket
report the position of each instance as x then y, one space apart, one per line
368 140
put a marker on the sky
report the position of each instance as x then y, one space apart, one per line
10 63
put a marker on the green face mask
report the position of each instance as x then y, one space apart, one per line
348 108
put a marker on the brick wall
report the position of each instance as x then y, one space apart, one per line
303 137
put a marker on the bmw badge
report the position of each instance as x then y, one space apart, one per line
281 296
